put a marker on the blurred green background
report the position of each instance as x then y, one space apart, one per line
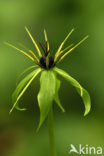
18 135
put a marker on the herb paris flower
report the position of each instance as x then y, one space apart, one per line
49 83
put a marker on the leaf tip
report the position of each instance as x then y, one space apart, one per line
37 130
63 110
86 37
45 34
86 112
10 111
25 27
44 30
21 109
6 43
73 29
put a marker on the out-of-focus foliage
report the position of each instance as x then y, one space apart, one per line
18 131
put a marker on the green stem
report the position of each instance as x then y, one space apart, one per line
51 133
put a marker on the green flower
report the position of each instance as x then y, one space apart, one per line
46 65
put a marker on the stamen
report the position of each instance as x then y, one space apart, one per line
43 47
22 46
19 51
60 47
36 46
31 52
73 48
46 39
62 51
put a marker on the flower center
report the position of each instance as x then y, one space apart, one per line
50 62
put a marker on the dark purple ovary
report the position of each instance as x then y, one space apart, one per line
43 62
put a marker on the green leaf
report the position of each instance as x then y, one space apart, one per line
21 88
82 92
56 97
46 94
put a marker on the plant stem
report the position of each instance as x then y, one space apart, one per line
51 132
